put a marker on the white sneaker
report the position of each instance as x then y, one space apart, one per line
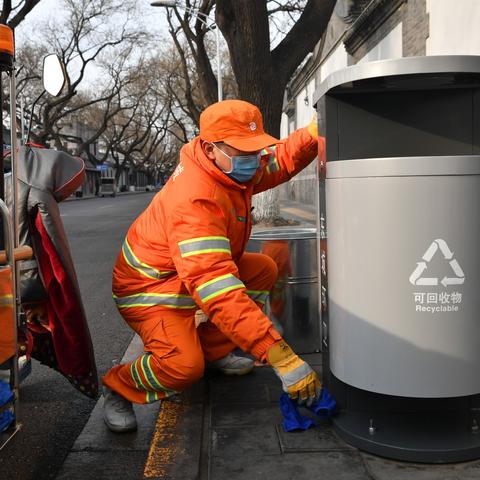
118 412
233 365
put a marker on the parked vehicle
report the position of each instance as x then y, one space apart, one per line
108 186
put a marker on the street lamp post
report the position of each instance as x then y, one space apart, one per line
205 20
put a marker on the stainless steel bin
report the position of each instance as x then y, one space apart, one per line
293 301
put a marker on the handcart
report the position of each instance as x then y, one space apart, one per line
10 253
59 172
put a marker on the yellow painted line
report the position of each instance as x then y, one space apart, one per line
300 213
164 448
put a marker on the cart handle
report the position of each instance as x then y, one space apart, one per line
23 252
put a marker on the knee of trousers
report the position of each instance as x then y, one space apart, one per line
184 369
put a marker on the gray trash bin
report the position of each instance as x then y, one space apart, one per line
293 301
401 197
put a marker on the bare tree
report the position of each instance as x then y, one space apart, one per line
99 40
137 136
262 65
267 41
14 13
262 73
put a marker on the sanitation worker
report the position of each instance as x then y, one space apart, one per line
186 252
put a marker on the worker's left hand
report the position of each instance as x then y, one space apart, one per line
298 379
313 126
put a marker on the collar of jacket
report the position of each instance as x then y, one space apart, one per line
192 151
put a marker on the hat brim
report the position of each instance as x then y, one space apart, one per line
252 144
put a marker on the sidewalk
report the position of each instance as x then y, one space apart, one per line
100 454
230 428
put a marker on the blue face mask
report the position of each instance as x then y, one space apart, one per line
244 167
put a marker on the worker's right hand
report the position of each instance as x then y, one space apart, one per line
298 379
312 127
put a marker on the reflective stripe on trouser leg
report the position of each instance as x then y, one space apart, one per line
137 381
176 359
145 379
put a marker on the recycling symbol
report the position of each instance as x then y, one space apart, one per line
416 277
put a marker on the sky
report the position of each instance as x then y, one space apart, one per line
152 18
46 9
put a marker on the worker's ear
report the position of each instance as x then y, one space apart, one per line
208 149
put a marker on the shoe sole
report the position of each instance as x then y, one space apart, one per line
117 429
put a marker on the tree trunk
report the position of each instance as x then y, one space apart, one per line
244 24
262 75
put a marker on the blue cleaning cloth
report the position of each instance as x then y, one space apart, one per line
6 417
293 420
325 406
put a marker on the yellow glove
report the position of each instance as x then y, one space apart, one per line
313 126
298 379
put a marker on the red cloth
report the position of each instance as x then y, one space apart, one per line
68 329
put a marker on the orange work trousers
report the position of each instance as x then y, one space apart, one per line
175 350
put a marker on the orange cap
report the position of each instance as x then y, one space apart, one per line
6 40
236 123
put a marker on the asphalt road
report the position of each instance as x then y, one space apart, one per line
52 412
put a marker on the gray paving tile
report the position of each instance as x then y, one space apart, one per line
221 392
274 392
328 466
103 466
259 376
315 439
235 414
384 469
245 442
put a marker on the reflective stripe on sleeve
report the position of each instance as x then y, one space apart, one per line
169 300
200 245
259 296
141 267
217 286
272 164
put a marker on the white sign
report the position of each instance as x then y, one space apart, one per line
435 301
455 273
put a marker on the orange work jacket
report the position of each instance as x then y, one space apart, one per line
181 251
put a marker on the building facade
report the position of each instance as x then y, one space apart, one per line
369 30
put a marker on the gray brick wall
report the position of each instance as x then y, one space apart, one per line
415 27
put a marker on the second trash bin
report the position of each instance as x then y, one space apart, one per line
293 301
